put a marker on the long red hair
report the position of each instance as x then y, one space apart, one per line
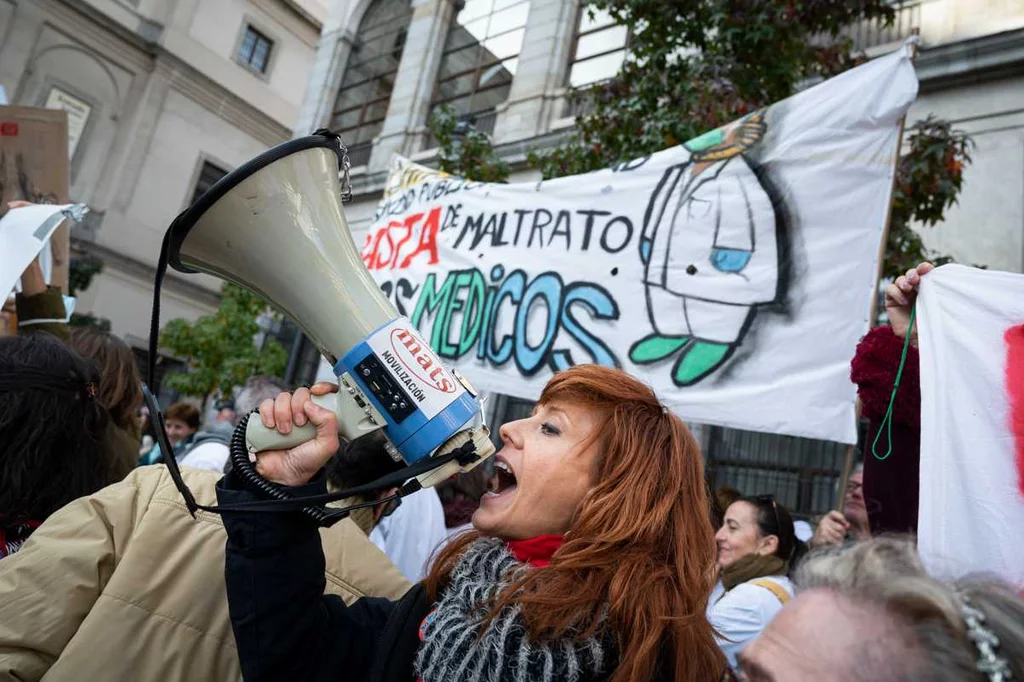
641 543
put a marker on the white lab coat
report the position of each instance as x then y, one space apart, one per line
692 220
412 534
742 613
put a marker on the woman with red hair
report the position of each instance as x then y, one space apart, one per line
592 559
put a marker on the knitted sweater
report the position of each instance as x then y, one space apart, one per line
890 486
454 651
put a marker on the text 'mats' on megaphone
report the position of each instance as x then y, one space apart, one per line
276 226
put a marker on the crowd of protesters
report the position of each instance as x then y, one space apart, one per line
589 549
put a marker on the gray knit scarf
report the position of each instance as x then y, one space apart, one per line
453 650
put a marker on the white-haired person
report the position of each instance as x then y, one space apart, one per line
868 612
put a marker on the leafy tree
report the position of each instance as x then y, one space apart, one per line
220 348
695 65
81 271
928 179
464 150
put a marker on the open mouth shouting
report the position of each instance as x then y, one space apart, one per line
503 484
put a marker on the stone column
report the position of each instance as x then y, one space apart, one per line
540 76
25 24
332 55
124 165
405 125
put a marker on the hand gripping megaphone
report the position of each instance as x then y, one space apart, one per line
276 226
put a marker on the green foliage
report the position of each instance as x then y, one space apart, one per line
928 179
220 348
81 271
695 65
463 150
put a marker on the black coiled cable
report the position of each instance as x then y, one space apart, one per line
257 484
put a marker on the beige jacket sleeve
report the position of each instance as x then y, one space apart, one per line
125 585
49 587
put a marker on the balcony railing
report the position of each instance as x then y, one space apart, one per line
874 33
482 122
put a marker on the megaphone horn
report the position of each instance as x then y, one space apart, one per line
276 226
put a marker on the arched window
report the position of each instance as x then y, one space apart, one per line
480 58
369 77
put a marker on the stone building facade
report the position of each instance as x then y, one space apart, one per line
163 97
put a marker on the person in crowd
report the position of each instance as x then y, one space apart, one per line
53 427
460 497
210 448
723 499
39 306
852 523
358 463
411 533
181 421
124 585
891 485
757 547
868 612
41 310
226 413
119 388
593 559
408 530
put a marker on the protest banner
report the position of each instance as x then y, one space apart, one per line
734 273
34 167
971 341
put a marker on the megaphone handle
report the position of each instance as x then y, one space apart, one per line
259 438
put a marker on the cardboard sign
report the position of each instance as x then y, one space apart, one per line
34 167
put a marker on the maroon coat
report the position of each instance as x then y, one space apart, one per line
890 486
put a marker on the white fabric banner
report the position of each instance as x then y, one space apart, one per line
24 234
971 514
733 273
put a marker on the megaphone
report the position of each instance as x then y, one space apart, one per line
276 226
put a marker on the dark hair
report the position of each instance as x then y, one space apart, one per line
183 412
774 519
460 495
52 427
119 385
720 503
361 461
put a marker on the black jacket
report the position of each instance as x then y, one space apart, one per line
284 625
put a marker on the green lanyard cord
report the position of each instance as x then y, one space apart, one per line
887 420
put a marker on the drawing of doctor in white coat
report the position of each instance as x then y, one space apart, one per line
711 255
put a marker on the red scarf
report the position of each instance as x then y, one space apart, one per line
535 551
